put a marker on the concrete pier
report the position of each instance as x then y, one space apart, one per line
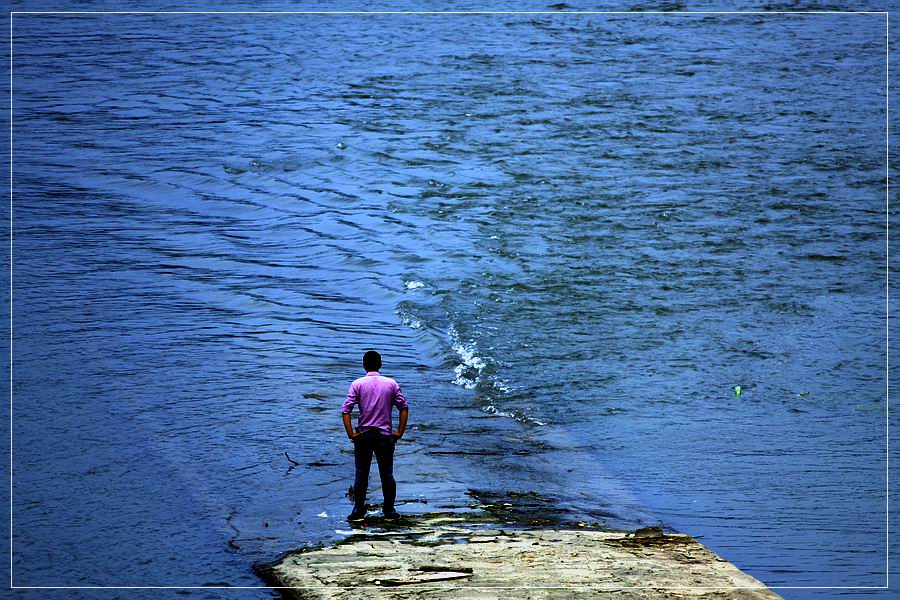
451 555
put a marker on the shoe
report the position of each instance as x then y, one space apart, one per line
356 516
392 515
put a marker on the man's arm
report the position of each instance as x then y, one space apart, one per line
401 403
348 425
352 398
404 415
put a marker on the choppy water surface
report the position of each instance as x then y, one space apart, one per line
570 237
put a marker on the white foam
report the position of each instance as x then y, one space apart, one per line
493 410
503 386
469 358
412 322
408 319
462 380
471 362
516 416
468 375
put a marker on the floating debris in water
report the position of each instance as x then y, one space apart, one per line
737 390
414 285
234 170
322 514
341 145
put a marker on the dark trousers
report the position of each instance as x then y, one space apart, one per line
364 445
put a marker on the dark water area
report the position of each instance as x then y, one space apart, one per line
570 236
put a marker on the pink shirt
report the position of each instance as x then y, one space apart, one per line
375 395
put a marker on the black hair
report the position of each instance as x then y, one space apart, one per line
371 361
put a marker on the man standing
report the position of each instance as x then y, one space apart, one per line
376 396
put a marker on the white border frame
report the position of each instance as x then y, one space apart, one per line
479 12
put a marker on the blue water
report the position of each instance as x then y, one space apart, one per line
570 237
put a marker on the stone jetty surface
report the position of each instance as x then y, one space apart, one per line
453 555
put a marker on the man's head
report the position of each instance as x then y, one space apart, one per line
371 361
